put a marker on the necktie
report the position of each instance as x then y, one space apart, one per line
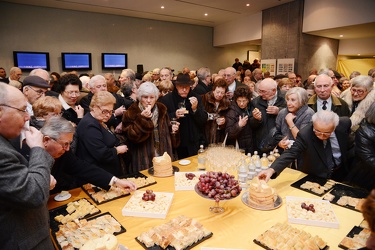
329 156
324 105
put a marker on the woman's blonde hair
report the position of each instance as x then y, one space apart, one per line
102 98
46 104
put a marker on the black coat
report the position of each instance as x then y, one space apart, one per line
363 172
202 88
310 149
191 126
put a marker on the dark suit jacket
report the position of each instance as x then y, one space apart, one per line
24 192
310 149
5 80
339 106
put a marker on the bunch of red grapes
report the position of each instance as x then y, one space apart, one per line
189 176
148 195
218 185
308 207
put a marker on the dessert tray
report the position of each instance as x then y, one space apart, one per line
356 238
347 196
284 236
78 209
186 180
179 233
100 196
315 213
149 209
314 185
74 234
151 171
245 199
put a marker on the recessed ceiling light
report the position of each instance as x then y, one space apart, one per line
341 35
162 7
358 54
247 5
205 14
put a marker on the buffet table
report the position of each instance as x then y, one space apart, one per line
235 228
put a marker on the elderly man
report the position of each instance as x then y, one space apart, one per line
166 74
324 100
269 102
187 107
127 75
15 74
155 75
24 185
322 146
45 75
34 87
204 81
233 84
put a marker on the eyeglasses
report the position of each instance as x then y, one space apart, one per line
21 110
106 112
228 75
73 93
64 145
317 132
100 86
38 91
358 91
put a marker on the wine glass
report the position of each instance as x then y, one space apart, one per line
173 122
181 105
218 120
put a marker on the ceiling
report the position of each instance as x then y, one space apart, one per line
191 12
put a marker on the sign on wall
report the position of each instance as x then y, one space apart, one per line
268 65
285 65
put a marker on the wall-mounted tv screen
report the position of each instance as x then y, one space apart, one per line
114 61
76 61
31 60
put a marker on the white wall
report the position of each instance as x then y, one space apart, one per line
148 42
240 30
364 46
327 14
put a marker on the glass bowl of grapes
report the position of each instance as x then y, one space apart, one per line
217 186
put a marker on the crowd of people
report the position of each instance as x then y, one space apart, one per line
59 131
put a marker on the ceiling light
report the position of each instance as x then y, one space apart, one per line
205 14
358 54
341 35
247 5
162 7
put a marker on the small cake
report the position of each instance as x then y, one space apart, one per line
260 194
162 165
106 242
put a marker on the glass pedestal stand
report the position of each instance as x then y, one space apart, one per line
216 209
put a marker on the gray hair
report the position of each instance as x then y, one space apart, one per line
147 88
55 126
95 80
363 81
326 117
41 73
128 73
323 75
13 70
109 75
3 93
203 72
370 114
354 74
301 93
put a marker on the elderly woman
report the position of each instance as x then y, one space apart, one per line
292 118
147 126
45 108
344 83
240 121
165 87
359 97
69 89
363 172
216 104
97 144
285 84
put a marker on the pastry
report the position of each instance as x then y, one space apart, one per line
162 165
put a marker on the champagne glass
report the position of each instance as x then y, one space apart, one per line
181 105
173 122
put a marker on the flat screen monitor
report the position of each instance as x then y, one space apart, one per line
114 61
76 61
31 60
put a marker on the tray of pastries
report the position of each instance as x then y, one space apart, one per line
347 196
78 209
180 233
100 196
314 185
284 236
74 234
148 204
186 180
356 238
314 212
